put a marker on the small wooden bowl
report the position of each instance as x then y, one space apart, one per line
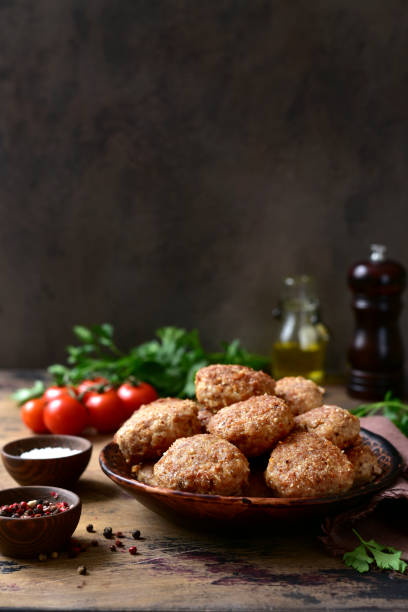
25 538
61 471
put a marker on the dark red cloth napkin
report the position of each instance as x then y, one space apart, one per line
385 516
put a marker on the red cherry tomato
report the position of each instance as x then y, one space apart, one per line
53 392
106 410
85 385
134 396
65 415
32 415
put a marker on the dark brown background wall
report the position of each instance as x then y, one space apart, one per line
168 162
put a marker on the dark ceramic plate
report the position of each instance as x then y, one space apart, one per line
204 510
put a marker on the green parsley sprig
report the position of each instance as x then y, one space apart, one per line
168 362
391 407
368 553
21 396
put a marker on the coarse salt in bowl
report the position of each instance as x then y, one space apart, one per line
57 460
49 452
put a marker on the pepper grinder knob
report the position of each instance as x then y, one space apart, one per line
378 252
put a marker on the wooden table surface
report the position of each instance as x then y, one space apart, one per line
181 569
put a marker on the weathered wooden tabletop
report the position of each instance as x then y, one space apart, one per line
180 569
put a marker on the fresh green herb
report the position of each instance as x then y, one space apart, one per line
169 363
392 408
21 396
235 354
364 555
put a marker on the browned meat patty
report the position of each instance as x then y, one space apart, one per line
203 464
220 385
364 462
204 416
254 425
299 393
306 465
154 427
144 473
331 422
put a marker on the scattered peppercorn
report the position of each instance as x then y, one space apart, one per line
119 534
136 534
119 543
74 550
82 570
107 533
90 528
133 550
112 547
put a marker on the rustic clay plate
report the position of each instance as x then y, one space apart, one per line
253 509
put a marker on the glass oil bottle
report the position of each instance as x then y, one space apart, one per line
300 347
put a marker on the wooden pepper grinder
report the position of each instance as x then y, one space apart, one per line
376 355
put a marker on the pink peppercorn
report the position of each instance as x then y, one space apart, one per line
33 509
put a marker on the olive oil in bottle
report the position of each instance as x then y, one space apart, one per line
300 347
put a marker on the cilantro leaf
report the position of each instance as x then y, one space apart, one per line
21 396
389 560
385 557
358 559
392 408
83 333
